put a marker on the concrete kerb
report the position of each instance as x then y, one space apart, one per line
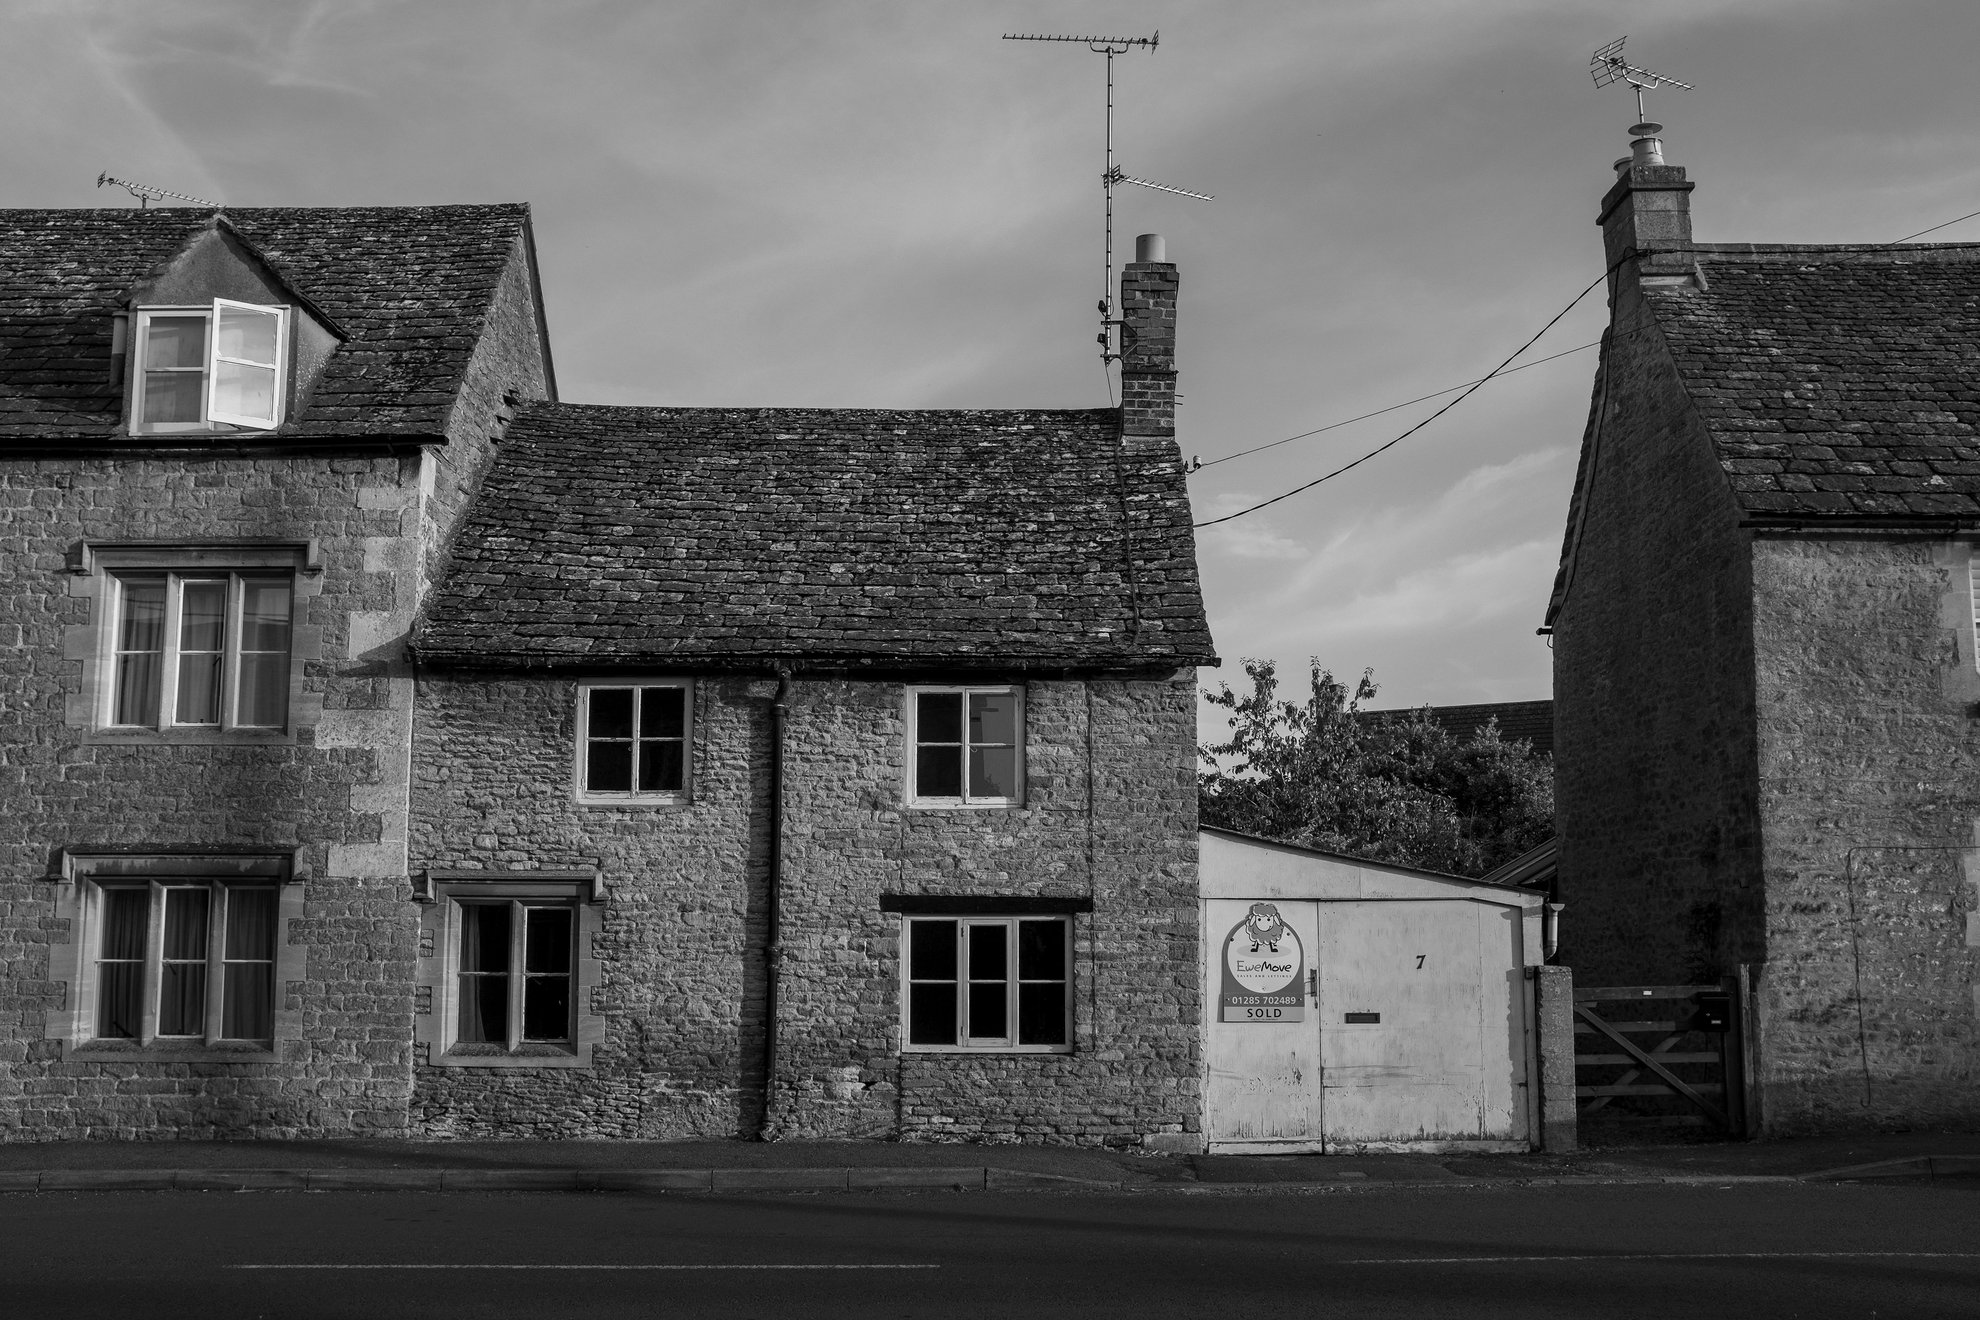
1912 1166
953 1178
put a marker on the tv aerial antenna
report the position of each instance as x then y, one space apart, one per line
1608 66
146 194
1113 174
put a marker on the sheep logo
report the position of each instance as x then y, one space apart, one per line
1264 925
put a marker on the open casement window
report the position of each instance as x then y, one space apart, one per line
966 746
634 741
506 969
186 960
198 648
988 983
203 368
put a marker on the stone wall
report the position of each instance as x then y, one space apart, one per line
1869 774
1653 691
1108 816
67 787
333 787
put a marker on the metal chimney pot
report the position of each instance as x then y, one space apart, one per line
1148 247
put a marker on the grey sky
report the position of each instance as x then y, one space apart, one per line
882 204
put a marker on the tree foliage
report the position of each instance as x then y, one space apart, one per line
1395 787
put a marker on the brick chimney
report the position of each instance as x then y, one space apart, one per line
1648 212
1148 341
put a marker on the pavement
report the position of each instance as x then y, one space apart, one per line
737 1166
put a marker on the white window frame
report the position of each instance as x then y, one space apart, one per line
436 1028
965 1043
912 768
175 579
84 875
218 904
634 797
211 418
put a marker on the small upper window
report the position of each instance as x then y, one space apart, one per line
633 741
203 368
966 746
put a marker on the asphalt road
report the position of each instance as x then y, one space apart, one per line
1749 1250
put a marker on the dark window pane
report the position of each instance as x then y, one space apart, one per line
120 973
1041 950
174 396
662 712
608 767
199 690
185 923
547 940
125 912
251 923
264 689
249 1002
175 341
987 1010
938 717
144 617
265 614
546 1008
611 712
932 950
932 1014
993 717
993 772
661 767
119 999
182 999
138 677
202 616
987 961
938 772
1042 1014
484 1010
484 937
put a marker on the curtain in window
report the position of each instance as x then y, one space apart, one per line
202 634
140 652
264 699
248 997
993 744
546 973
182 983
120 964
484 975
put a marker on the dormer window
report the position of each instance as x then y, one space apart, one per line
209 368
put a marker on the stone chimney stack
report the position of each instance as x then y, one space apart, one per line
1148 341
1648 212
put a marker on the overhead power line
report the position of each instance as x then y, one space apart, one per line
1469 390
1421 398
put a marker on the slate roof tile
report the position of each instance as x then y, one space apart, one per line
409 285
1856 368
657 535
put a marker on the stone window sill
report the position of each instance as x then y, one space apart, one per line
551 1057
121 1051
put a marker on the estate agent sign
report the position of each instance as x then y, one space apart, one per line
1264 970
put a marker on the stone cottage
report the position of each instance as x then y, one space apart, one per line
393 749
1765 670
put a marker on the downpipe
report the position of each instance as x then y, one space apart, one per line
773 962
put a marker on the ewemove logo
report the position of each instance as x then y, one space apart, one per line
1264 970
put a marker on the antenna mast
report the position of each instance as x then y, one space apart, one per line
1608 66
1110 47
146 194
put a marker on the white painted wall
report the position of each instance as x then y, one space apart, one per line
1431 966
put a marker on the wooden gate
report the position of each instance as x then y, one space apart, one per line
1665 1054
